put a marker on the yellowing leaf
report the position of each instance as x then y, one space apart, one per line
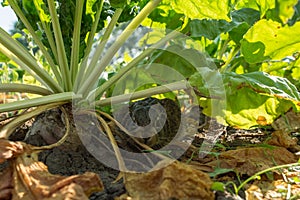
270 40
202 9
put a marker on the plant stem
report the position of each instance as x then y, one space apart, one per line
18 87
28 103
179 85
62 57
229 59
88 48
76 39
99 91
93 77
35 37
223 49
90 39
16 52
264 171
102 44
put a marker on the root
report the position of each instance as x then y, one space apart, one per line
63 139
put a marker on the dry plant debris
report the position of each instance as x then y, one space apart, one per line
177 180
288 122
252 160
283 139
277 189
28 179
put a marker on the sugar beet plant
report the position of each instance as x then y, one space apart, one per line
246 40
64 32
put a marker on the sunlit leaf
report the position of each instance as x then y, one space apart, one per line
209 28
164 17
275 43
202 9
89 8
242 20
42 9
4 3
3 58
249 97
219 186
279 10
296 16
283 11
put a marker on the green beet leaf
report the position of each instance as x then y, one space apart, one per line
202 9
269 40
279 10
119 3
252 99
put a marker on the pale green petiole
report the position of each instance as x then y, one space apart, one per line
93 77
53 98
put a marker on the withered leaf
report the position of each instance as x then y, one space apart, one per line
252 160
33 181
283 139
28 179
176 180
9 149
288 122
277 189
6 186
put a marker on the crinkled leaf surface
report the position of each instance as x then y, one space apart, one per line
202 9
269 40
252 160
9 149
280 10
211 28
262 83
289 122
251 99
181 59
283 139
28 179
177 180
165 16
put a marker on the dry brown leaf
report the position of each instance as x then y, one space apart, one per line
176 180
251 160
6 186
288 122
10 149
283 139
278 189
28 179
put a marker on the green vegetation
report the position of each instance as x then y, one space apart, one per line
253 44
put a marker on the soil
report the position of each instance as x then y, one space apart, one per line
77 160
